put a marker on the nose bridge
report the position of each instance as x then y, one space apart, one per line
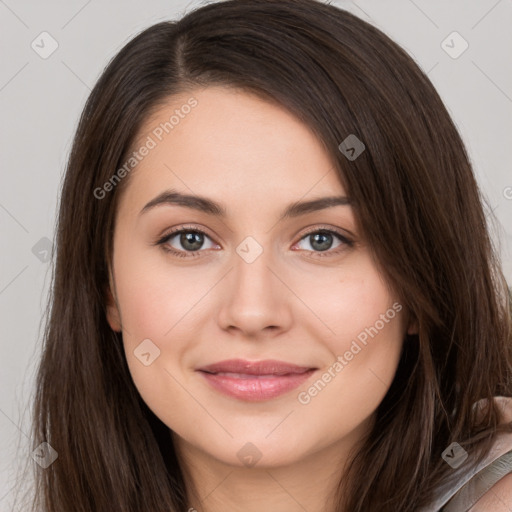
254 297
252 273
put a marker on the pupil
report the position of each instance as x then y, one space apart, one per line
325 240
194 239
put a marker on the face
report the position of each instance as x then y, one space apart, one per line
193 285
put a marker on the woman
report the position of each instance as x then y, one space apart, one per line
274 284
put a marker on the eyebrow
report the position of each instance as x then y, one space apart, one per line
208 206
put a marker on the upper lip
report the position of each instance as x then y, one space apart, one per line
266 367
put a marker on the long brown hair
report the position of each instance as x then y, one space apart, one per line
415 197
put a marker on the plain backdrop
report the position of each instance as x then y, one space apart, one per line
42 94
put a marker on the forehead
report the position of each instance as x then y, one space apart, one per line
229 143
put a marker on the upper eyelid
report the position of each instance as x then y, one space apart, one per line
315 229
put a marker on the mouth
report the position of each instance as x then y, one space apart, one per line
255 381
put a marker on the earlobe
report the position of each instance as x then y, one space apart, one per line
412 323
413 327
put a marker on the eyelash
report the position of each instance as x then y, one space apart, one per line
194 254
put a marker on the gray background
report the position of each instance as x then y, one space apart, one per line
41 99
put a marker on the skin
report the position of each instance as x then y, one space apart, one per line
290 304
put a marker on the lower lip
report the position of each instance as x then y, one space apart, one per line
255 388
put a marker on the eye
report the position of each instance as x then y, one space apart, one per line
190 239
321 241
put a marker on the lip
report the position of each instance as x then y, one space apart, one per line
255 380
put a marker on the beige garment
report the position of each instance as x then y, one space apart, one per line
461 494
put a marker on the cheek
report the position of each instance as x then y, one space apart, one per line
154 301
365 313
354 304
350 388
371 345
155 296
159 302
365 341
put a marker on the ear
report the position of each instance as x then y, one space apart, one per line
413 326
113 314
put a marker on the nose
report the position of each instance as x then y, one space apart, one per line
256 301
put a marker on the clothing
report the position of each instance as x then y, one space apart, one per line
460 495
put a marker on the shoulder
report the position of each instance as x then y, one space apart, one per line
504 404
498 498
